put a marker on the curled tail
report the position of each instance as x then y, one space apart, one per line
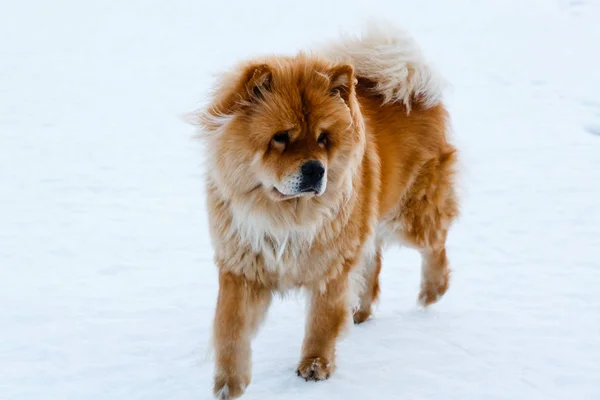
392 62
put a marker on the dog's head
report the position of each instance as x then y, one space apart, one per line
284 128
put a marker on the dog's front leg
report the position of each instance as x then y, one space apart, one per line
241 307
328 314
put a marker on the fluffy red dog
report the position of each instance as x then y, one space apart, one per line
315 162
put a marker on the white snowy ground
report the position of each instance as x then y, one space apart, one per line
106 282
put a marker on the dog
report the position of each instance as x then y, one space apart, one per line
315 162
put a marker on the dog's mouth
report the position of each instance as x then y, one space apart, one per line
277 195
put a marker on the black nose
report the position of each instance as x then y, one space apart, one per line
312 173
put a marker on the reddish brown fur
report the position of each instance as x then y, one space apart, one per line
390 177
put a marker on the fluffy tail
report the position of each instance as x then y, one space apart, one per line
391 60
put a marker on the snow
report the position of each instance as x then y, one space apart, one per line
107 286
593 128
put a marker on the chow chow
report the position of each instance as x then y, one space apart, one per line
315 162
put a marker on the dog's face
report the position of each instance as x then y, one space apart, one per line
286 128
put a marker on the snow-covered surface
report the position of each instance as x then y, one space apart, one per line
107 287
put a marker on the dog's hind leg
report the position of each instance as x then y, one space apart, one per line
425 219
370 289
435 275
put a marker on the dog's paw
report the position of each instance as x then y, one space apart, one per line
315 369
229 387
433 289
361 316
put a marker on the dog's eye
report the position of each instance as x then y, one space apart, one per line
282 137
323 139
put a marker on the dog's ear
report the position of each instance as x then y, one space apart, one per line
236 91
258 82
342 81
